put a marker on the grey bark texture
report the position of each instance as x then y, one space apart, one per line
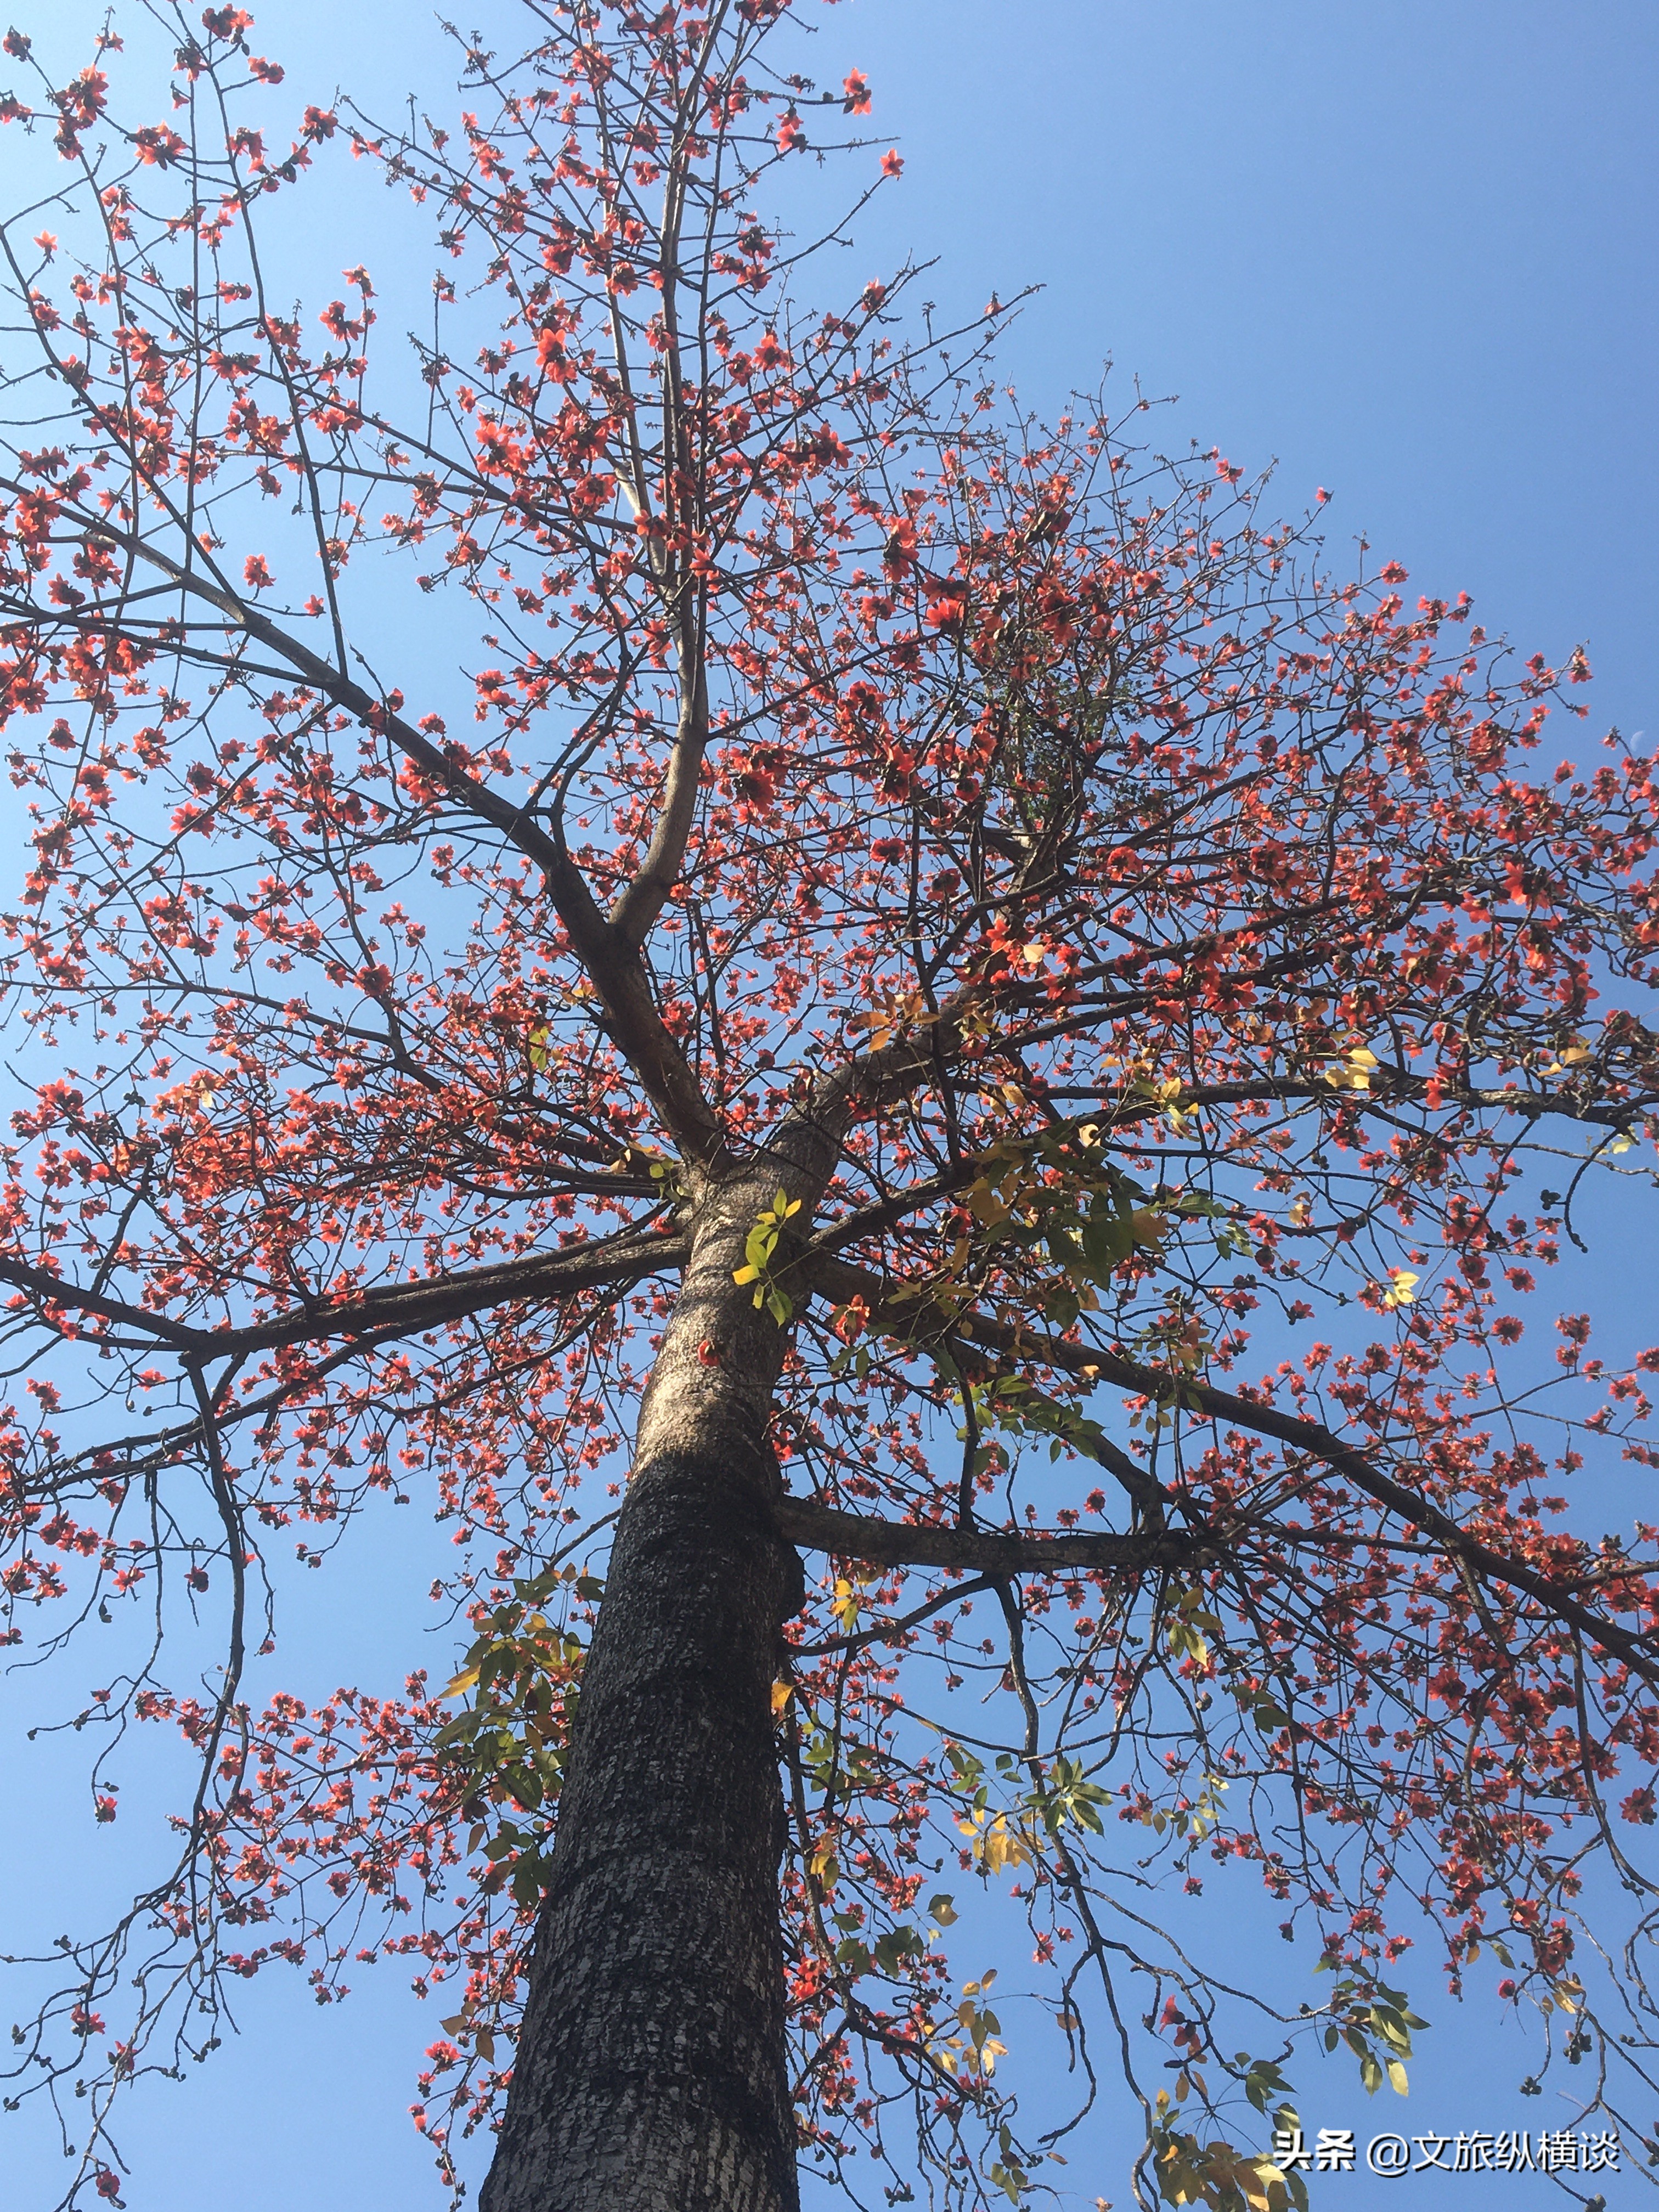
651 2072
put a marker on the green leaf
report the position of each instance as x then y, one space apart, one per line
897 1945
1108 1241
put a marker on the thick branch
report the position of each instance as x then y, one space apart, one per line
638 907
907 1544
886 1074
612 962
378 1315
49 1290
920 1322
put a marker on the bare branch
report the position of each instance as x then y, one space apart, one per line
378 1315
920 1322
611 961
978 1551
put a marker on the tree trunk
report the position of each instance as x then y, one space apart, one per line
651 2071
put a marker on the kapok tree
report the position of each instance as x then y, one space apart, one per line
938 985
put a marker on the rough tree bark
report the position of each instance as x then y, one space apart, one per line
651 2074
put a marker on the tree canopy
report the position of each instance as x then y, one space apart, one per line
938 982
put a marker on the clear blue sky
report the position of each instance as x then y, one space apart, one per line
1409 251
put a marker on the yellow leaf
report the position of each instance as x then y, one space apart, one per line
1002 1846
985 1205
1404 1290
1254 2186
1148 1227
541 1057
1397 2077
460 1684
782 1693
745 1274
1354 1072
